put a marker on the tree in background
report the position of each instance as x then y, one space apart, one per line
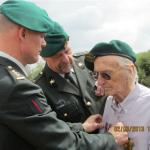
143 64
35 69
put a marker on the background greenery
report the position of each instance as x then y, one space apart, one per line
35 69
143 64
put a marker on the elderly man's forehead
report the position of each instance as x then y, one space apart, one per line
106 62
107 59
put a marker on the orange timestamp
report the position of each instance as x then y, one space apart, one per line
131 128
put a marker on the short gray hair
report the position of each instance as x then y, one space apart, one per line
124 62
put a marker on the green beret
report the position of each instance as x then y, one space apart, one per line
27 14
114 47
55 41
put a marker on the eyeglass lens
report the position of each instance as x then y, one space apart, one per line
104 75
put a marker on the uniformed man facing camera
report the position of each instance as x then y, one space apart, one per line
68 85
27 122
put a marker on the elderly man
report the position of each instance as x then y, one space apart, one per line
68 85
27 122
128 101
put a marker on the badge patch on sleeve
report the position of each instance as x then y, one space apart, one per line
36 106
39 105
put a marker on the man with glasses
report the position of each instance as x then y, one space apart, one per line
128 101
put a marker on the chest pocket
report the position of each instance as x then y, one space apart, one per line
69 110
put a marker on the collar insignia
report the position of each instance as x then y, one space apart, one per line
52 81
81 65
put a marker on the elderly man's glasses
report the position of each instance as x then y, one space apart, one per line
105 75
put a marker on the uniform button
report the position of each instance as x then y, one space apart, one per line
9 67
88 103
72 70
81 65
65 114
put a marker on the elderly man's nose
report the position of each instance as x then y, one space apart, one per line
100 80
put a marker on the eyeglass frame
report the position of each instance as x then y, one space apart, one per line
106 75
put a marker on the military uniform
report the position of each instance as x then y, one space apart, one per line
28 123
72 103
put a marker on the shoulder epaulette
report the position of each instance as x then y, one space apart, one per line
15 74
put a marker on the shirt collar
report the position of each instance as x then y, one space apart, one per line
5 55
122 107
131 96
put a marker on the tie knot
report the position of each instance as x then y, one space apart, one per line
71 77
67 75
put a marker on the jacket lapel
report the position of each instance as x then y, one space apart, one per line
60 83
81 77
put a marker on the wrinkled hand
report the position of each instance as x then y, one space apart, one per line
121 137
92 123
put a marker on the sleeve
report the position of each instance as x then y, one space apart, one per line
28 115
75 126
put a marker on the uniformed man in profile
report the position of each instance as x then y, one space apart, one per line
68 85
27 122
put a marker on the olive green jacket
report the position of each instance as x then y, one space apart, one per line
27 122
72 103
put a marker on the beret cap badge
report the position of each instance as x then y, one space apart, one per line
90 57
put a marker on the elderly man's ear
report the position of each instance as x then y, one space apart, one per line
131 68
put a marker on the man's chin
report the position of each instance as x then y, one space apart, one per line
67 70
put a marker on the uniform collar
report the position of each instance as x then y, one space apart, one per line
58 81
5 55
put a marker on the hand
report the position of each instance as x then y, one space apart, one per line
92 123
121 137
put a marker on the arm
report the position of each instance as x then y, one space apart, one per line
27 114
91 124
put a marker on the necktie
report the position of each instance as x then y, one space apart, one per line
71 78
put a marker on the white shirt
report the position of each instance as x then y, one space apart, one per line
134 112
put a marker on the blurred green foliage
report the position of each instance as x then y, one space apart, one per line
143 63
33 72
